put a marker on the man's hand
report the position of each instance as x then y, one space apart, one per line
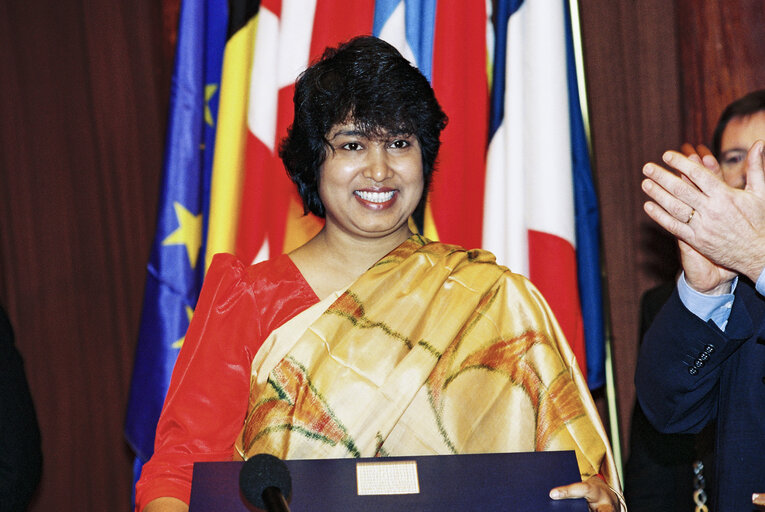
701 274
722 223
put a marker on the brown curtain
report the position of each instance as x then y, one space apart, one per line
83 98
633 88
722 50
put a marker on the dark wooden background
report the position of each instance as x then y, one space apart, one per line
83 99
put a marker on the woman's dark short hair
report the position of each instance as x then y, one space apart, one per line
743 107
368 82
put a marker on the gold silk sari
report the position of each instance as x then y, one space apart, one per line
434 350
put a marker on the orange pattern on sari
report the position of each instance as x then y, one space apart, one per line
434 350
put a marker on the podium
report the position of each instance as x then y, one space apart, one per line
496 481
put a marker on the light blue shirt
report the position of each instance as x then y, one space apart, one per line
714 307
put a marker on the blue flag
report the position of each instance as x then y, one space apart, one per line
409 25
587 229
176 266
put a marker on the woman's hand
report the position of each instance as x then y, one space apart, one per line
166 505
758 498
600 497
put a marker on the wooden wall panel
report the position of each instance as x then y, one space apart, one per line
632 80
722 49
83 98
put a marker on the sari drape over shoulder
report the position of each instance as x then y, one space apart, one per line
434 350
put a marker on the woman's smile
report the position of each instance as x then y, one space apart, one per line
376 199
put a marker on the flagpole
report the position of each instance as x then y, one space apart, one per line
611 398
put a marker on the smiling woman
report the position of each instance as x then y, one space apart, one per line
370 340
361 89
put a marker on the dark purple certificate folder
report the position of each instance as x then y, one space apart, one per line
496 481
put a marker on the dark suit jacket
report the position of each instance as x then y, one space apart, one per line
20 453
658 475
690 373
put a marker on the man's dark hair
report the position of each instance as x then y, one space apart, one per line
365 81
745 106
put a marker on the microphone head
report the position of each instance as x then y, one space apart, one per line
260 472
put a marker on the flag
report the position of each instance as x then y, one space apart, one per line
447 42
228 159
176 267
587 215
540 211
291 34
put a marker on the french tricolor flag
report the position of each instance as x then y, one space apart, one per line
540 209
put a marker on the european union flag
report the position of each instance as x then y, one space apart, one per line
176 267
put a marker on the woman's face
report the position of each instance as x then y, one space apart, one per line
370 186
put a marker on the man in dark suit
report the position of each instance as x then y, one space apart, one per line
659 473
20 452
703 360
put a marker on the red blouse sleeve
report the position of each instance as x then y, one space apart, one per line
207 400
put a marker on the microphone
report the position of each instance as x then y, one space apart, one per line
266 483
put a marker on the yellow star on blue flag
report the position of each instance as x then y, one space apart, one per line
189 232
210 90
179 343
